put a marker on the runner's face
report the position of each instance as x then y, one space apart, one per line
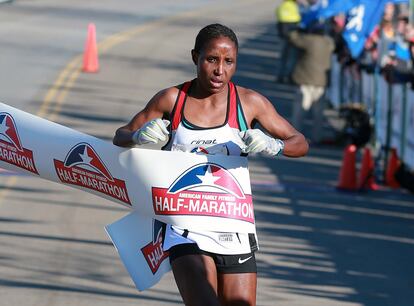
216 64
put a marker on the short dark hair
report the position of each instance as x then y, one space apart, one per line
213 31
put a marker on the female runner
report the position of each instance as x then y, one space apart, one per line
210 114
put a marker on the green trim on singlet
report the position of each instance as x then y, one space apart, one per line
188 125
241 119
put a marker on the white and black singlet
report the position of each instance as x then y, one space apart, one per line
222 139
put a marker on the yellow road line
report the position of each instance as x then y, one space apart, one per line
56 87
60 97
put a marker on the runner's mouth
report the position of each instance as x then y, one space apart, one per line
216 83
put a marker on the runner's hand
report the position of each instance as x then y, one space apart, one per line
256 141
151 132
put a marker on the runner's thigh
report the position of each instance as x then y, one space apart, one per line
196 279
237 289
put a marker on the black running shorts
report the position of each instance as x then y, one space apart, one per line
241 263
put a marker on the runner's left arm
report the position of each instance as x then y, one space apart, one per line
259 109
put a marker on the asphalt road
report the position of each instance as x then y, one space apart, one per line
318 246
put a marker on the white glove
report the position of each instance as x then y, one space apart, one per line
151 132
256 141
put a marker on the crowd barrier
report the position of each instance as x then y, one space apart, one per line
390 106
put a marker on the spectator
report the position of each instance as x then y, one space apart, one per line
350 75
389 12
369 58
387 34
287 20
397 64
310 75
401 43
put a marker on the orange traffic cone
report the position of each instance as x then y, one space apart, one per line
366 174
347 176
90 57
393 164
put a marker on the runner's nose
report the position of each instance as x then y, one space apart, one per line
219 69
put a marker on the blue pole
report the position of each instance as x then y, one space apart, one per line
403 121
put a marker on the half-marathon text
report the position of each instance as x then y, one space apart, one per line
202 204
22 159
92 180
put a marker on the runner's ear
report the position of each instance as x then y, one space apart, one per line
194 56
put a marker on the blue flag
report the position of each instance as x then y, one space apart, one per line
324 9
361 21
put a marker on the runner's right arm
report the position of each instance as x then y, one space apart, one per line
161 104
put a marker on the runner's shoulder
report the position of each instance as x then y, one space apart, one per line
251 98
165 98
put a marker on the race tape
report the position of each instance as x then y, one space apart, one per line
138 241
203 192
